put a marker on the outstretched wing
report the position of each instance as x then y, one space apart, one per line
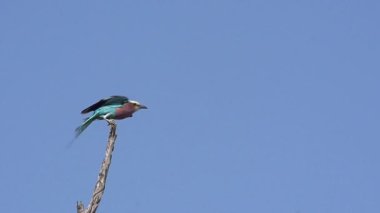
113 100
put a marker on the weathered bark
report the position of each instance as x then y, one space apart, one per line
102 177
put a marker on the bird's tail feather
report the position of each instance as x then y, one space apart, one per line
81 128
85 124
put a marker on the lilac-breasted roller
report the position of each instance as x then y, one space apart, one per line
114 107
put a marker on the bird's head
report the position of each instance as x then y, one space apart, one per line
136 105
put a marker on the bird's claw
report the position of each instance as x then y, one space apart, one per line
110 121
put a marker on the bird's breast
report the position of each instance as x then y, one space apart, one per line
122 113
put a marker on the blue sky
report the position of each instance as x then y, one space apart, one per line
254 106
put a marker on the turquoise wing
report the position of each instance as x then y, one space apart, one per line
113 100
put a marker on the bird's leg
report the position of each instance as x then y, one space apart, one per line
110 121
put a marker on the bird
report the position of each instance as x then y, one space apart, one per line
114 107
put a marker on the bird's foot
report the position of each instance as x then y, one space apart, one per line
110 121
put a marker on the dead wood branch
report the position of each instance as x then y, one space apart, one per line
102 177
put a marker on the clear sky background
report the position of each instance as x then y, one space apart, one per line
254 106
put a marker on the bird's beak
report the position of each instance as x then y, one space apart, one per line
143 107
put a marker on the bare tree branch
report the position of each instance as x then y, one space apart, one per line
80 207
102 177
